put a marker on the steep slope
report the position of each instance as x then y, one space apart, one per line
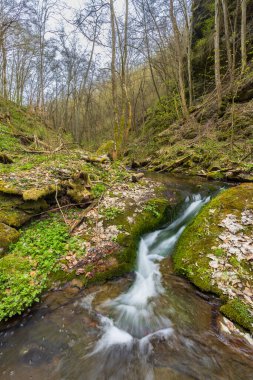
217 145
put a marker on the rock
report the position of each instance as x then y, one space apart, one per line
4 159
36 194
76 284
79 194
135 165
8 235
215 175
178 163
222 232
78 188
14 218
136 177
7 188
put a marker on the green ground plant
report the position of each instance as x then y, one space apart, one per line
24 270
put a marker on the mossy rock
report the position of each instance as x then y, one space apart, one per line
14 218
36 194
8 235
79 194
33 207
216 175
237 311
154 214
7 188
201 238
78 188
4 159
14 211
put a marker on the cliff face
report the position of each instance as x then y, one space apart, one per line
203 40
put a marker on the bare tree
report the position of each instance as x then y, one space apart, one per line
179 58
217 53
10 12
227 38
244 34
114 78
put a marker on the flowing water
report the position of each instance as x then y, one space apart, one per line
154 325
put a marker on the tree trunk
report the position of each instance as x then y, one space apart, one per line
217 53
244 34
113 78
179 61
4 68
227 38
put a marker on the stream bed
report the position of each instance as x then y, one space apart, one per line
148 325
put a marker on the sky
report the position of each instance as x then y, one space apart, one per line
79 4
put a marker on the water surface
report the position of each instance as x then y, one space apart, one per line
151 325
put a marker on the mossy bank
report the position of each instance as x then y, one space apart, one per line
215 252
102 246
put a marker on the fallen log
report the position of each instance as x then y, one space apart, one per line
77 223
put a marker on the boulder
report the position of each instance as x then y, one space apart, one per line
35 194
8 235
4 159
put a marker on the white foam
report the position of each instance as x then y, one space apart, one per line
112 336
134 310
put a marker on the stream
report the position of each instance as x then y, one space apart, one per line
151 325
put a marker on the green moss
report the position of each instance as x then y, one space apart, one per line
217 175
36 194
34 206
7 188
145 222
106 148
79 194
237 311
8 235
14 218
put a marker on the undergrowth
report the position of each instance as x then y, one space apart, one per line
24 271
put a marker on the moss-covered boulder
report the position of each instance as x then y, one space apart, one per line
15 212
35 194
215 252
4 159
78 188
14 218
153 215
8 188
8 235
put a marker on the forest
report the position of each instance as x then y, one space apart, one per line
126 189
